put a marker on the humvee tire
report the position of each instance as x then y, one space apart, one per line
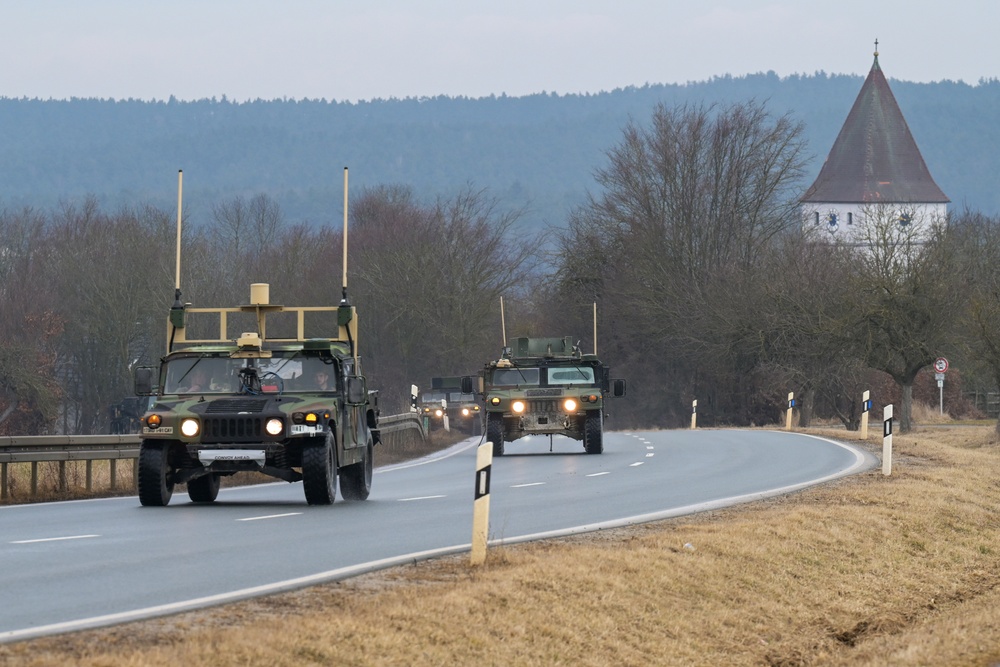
155 489
593 432
356 479
319 471
494 432
204 489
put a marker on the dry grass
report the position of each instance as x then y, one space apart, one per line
870 570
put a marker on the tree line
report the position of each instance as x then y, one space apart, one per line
706 283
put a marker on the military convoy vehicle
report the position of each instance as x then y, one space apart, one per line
447 398
295 407
545 386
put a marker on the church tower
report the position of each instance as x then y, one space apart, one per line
874 173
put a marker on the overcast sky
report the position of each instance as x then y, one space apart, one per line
367 49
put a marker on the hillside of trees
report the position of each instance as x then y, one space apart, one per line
536 153
690 243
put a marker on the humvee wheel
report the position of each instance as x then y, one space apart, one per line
494 432
319 471
356 479
155 482
593 432
204 489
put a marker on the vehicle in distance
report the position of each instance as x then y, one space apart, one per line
545 386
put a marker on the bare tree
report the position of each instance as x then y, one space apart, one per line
672 246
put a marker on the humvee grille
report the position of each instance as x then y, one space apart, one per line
542 406
236 405
232 429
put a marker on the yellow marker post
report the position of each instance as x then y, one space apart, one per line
481 503
694 413
788 412
866 405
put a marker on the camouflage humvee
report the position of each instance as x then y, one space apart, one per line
295 408
463 412
545 386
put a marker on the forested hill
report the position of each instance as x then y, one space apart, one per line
538 151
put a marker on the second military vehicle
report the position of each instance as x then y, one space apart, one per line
545 386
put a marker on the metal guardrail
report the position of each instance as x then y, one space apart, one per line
35 449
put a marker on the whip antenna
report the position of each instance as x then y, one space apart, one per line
344 281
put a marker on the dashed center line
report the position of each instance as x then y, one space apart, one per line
598 474
521 486
270 516
406 500
649 454
637 463
54 539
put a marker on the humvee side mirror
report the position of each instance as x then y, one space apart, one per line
618 387
144 376
356 390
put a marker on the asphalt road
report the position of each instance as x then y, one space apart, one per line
75 565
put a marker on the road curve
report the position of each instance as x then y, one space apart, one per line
83 564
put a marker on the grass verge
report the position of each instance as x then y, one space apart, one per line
869 570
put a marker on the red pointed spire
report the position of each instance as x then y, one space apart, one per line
875 158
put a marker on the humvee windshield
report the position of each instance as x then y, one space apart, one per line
285 371
546 376
433 397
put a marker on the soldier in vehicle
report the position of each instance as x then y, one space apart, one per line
322 379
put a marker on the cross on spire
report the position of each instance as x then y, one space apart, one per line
876 47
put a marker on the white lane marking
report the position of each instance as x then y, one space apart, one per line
649 454
598 474
650 447
54 539
270 516
637 463
406 500
521 486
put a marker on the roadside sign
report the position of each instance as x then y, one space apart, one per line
941 365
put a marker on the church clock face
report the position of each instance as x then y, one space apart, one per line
832 219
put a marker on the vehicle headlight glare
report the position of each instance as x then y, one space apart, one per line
569 405
465 412
439 412
274 426
190 427
517 406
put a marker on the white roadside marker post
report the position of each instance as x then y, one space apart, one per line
694 413
481 503
887 440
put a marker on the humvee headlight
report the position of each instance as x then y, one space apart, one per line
153 421
439 412
275 426
517 406
190 427
569 405
592 398
465 412
311 418
495 400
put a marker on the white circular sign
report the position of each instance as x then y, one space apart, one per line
941 364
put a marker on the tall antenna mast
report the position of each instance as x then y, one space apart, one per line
503 326
177 270
344 281
595 328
